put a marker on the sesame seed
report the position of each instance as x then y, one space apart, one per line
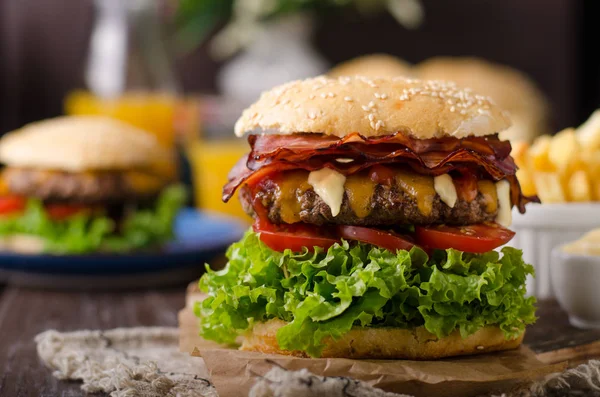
464 101
480 347
378 125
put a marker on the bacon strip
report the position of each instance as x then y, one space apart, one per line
269 145
432 154
276 153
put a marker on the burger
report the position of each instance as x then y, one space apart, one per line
528 110
379 205
373 65
74 185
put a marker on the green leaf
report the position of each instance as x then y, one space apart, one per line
83 233
324 294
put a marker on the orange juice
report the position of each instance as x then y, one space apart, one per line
153 112
211 162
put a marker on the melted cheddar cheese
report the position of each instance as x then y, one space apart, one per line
142 182
490 195
359 190
4 190
419 187
289 189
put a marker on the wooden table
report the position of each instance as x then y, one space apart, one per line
24 313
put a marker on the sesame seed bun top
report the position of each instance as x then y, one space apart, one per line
373 65
372 107
79 143
511 89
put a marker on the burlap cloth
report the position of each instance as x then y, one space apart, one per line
132 362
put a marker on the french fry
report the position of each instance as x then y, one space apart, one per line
589 132
596 190
520 152
548 187
579 187
590 160
526 180
538 153
563 150
564 167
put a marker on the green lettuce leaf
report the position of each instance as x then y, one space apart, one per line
79 234
324 294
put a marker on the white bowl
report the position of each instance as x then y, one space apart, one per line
546 226
575 280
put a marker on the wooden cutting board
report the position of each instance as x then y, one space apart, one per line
552 338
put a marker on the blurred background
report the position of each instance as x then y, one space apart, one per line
185 69
44 46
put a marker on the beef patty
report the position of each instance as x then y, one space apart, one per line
81 187
383 204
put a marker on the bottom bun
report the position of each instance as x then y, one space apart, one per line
387 343
22 244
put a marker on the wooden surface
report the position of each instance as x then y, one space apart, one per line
554 339
24 313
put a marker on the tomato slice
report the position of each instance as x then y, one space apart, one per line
294 237
388 240
11 204
478 238
63 211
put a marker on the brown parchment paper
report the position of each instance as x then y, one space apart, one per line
233 372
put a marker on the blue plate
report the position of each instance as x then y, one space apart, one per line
199 237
